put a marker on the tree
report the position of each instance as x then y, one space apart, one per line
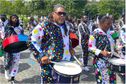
18 7
78 6
5 7
91 10
113 7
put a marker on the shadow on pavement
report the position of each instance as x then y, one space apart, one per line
35 79
23 66
25 55
88 76
1 69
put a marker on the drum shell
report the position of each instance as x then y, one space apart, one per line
15 43
62 78
117 65
118 68
66 78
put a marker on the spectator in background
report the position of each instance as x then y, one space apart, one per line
70 20
4 19
31 24
39 20
83 40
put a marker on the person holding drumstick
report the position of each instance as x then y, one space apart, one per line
102 44
12 59
51 42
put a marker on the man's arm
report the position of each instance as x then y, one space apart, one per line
36 37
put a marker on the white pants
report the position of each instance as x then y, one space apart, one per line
12 63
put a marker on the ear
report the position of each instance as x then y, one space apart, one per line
53 13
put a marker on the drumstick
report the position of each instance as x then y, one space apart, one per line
60 63
116 54
105 47
78 61
54 62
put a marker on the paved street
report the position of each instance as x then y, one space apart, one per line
29 71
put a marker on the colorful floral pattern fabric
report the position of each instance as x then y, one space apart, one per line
97 42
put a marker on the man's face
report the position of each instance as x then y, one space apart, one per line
107 24
59 15
85 18
14 19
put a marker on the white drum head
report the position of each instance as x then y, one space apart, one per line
117 61
68 68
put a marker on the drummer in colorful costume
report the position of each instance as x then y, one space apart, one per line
102 44
51 41
12 59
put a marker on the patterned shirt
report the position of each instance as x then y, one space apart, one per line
50 40
101 41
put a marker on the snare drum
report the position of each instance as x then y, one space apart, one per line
117 65
15 43
67 72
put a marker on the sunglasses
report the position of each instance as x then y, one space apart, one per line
61 13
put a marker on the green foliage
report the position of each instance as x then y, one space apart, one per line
91 10
113 7
5 7
73 7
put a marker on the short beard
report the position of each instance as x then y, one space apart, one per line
60 23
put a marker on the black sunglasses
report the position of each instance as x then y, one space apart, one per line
61 13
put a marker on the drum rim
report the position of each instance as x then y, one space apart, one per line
112 61
66 75
17 40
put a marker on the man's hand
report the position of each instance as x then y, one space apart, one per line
45 60
105 53
72 51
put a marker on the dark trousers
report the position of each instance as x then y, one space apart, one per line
84 44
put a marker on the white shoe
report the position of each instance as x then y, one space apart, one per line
85 68
12 82
7 74
81 60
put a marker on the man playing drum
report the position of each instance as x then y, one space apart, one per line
101 44
51 42
12 59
